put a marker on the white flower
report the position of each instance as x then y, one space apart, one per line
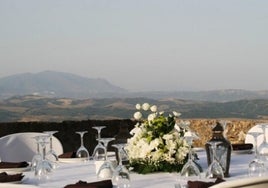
177 127
151 117
138 106
137 115
184 124
145 106
176 114
153 143
153 108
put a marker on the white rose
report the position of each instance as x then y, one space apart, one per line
137 115
138 106
176 114
177 127
151 117
145 106
153 108
161 113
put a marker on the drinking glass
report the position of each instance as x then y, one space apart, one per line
263 147
121 177
44 167
106 169
82 151
99 150
256 166
51 154
215 169
37 157
224 124
190 169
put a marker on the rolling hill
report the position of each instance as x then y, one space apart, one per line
39 108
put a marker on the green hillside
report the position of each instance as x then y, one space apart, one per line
37 108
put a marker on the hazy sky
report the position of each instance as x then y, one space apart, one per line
140 44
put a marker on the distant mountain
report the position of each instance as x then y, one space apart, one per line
56 84
60 85
212 95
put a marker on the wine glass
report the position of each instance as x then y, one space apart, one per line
256 166
121 177
82 151
190 169
37 157
51 154
106 169
215 169
99 150
44 167
263 147
224 124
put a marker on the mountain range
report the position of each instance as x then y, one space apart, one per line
61 84
57 96
55 84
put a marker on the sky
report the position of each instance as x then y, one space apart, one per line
140 45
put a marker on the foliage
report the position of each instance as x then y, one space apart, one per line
157 143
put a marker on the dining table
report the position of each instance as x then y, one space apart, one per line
70 172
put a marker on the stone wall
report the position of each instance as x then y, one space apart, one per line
66 131
120 130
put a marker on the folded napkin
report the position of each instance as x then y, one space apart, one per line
98 184
247 146
4 177
13 164
202 184
71 154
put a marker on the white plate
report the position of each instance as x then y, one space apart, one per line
13 182
14 185
199 149
72 160
15 170
245 151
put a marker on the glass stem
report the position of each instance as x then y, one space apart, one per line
50 142
44 152
255 147
264 134
120 157
37 148
82 140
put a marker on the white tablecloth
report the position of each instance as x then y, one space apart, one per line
69 173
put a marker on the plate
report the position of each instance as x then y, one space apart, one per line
16 185
15 170
72 160
199 149
13 182
245 151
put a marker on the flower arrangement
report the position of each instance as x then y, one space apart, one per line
157 143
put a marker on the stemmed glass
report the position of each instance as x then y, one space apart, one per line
224 124
44 167
51 154
106 169
121 177
190 170
99 150
37 157
215 169
256 166
263 147
82 151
